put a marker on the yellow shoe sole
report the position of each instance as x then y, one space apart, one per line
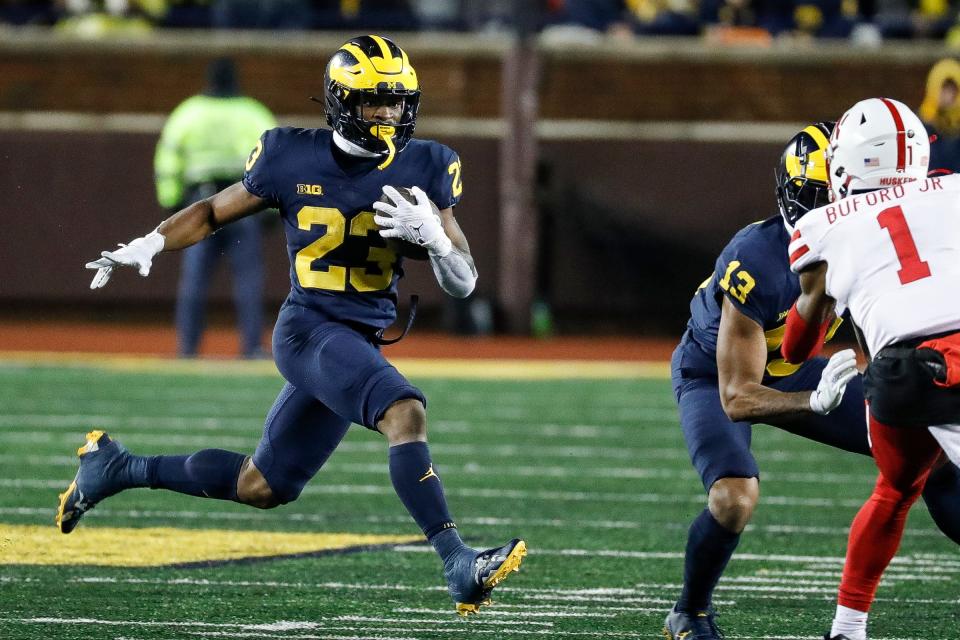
510 565
61 516
89 445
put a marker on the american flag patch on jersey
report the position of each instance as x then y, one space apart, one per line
871 162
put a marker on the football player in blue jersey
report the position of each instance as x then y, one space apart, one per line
728 374
342 242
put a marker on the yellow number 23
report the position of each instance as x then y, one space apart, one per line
741 289
335 277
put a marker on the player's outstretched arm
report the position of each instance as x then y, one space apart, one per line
741 361
186 227
440 235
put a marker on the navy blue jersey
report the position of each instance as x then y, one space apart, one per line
753 272
339 264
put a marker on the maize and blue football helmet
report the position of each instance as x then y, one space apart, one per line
802 173
371 70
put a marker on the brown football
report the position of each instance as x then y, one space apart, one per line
407 249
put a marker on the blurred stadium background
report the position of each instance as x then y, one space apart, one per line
604 169
610 149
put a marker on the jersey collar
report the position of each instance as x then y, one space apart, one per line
352 149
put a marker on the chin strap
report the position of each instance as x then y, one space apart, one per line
385 133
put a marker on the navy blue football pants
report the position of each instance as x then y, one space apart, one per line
335 376
720 448
241 242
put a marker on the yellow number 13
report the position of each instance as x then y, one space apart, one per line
335 277
740 290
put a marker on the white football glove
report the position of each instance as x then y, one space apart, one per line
841 369
414 223
138 253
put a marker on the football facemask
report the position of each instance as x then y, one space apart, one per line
801 174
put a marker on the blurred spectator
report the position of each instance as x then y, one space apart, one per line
626 17
820 18
365 15
864 22
438 14
596 15
902 19
824 18
933 18
261 14
488 15
891 18
940 112
191 14
664 17
24 12
202 150
99 18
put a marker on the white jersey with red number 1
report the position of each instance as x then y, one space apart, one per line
893 258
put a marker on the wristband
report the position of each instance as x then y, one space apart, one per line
802 339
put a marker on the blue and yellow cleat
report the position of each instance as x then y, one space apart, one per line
696 625
102 460
471 586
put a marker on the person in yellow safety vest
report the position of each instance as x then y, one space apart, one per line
203 149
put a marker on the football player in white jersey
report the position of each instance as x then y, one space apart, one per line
887 249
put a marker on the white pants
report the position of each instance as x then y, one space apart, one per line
948 435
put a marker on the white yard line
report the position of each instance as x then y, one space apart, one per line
498 613
601 471
326 635
652 591
493 494
214 420
476 521
389 625
447 624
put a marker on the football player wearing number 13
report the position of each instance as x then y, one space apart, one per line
729 373
887 248
327 186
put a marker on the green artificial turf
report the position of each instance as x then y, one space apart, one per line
593 474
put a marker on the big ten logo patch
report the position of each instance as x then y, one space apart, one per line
310 189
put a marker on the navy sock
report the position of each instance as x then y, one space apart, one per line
942 496
211 473
709 548
136 471
420 490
